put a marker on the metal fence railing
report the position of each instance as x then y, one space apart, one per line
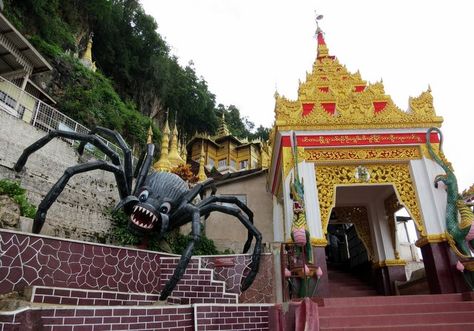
23 105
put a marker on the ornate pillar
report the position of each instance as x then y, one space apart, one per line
440 266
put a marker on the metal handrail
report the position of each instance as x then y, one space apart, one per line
22 104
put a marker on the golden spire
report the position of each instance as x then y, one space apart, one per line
202 174
323 50
163 164
182 151
174 157
87 56
222 131
149 139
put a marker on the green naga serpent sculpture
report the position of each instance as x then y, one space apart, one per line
460 232
299 227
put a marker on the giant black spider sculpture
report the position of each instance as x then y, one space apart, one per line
159 201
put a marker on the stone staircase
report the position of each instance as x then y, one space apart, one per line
197 284
198 303
447 312
345 284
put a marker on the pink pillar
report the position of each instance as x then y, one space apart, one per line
440 265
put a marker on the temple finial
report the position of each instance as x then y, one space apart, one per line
222 131
318 18
174 157
149 139
86 58
202 173
163 164
322 48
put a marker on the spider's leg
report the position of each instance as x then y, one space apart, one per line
240 204
245 284
187 253
198 188
61 183
139 164
143 166
127 153
69 135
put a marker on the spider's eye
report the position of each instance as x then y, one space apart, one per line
165 208
143 196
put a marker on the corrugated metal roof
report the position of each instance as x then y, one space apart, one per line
8 62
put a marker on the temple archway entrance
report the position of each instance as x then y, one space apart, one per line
362 236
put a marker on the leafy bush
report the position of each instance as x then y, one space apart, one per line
18 194
174 241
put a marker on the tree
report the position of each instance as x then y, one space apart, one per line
241 127
261 133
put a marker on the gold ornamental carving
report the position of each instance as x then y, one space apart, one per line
329 177
356 155
356 104
353 112
359 217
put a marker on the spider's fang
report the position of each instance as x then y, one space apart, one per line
143 217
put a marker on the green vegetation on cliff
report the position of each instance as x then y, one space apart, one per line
137 76
18 194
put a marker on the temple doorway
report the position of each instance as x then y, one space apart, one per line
362 237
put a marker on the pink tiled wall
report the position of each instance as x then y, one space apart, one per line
236 317
27 260
79 297
198 317
34 260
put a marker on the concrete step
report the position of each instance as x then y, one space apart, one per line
345 284
352 293
397 319
388 300
434 307
408 327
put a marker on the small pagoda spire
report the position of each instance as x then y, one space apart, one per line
222 131
202 174
174 157
323 50
149 139
163 164
86 58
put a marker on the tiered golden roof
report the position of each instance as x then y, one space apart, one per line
333 98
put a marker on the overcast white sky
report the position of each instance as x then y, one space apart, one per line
245 49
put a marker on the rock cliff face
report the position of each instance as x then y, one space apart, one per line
9 213
80 210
